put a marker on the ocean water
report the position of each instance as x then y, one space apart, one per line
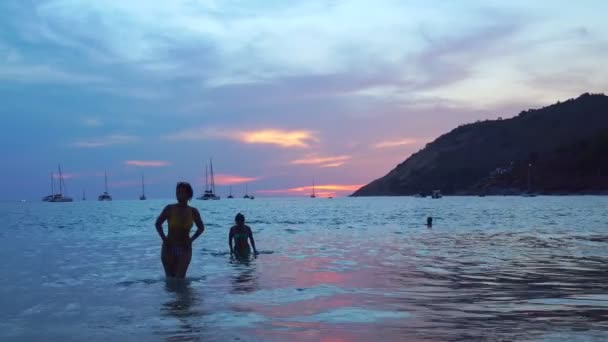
348 269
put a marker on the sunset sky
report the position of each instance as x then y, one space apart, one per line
277 92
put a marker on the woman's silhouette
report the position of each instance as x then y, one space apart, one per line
177 244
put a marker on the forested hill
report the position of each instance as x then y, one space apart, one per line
563 147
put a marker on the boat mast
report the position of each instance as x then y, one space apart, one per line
105 174
206 178
52 183
143 190
212 178
60 180
313 187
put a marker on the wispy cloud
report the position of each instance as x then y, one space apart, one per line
147 163
225 179
23 73
322 161
336 164
124 183
270 136
109 140
397 143
65 175
283 138
92 122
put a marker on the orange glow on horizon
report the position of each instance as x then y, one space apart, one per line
323 190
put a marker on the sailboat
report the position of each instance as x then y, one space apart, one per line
50 197
83 196
230 195
314 194
105 196
58 197
209 193
142 197
246 193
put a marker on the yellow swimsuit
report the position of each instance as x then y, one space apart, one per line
177 223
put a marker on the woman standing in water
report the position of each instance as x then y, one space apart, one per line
177 244
241 234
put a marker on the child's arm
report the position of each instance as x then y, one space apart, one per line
230 235
252 240
199 225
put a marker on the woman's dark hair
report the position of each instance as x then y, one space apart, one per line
239 218
186 186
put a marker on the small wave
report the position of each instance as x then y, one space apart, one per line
290 222
128 283
252 222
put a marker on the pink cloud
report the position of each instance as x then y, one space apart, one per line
336 164
322 161
283 138
299 138
397 143
147 163
225 179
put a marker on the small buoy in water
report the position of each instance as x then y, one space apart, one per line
429 221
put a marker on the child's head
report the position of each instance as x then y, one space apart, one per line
183 192
239 219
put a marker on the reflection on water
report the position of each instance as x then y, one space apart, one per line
492 269
185 307
244 280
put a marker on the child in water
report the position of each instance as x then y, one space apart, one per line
240 233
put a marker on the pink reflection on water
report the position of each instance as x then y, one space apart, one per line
328 332
303 307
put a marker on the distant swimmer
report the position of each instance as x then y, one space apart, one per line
177 244
429 222
241 234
